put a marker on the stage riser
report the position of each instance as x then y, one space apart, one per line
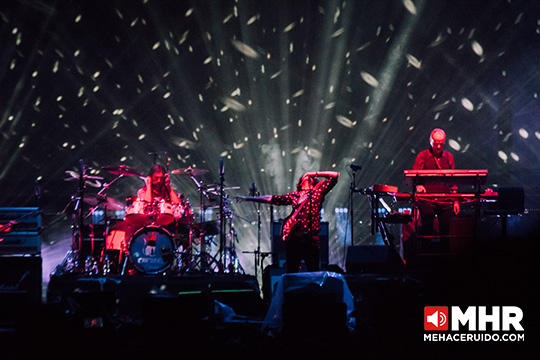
153 299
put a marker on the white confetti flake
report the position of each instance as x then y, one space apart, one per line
314 153
298 93
245 49
233 104
523 133
345 121
289 27
369 79
338 32
477 48
502 155
276 74
413 61
454 144
253 19
467 104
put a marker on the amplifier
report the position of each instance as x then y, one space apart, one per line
278 245
20 231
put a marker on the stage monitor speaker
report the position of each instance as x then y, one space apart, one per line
372 259
278 245
271 275
20 287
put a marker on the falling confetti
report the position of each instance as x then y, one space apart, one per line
413 61
369 79
477 48
245 49
345 121
467 104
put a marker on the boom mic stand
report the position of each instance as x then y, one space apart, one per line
352 190
222 221
259 256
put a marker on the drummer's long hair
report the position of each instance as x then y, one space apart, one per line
156 168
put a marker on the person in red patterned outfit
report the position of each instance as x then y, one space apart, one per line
300 229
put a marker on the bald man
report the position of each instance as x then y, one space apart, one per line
436 158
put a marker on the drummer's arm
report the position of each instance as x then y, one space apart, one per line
172 193
148 190
174 197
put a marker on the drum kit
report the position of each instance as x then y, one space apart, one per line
156 237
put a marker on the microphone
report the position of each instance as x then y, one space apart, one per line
82 167
37 189
221 167
252 190
355 167
157 153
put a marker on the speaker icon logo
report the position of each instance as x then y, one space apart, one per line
436 318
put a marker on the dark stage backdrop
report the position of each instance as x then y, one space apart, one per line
272 88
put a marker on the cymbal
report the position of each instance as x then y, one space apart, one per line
94 181
189 171
206 207
216 188
102 202
122 170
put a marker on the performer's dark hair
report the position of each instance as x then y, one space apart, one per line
299 184
156 168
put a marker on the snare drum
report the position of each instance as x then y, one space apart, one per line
136 214
151 250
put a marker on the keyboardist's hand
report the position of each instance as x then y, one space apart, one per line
420 189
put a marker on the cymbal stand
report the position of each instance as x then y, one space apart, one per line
229 257
222 220
79 215
259 256
203 255
352 190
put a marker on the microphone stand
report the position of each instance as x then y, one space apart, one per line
223 227
80 215
352 189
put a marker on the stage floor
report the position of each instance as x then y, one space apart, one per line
205 315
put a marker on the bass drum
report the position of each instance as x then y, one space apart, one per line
151 250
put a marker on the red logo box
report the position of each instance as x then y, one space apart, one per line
436 318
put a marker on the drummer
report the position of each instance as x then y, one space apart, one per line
158 185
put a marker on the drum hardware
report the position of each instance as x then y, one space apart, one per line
99 201
78 214
227 251
122 170
189 172
94 181
259 256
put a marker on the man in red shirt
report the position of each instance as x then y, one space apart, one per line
436 158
